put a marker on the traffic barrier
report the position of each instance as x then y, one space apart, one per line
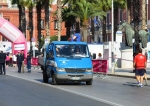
100 68
34 63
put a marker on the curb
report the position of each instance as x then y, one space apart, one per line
126 76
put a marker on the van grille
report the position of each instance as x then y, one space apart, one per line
71 70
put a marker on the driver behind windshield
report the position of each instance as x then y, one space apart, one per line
77 50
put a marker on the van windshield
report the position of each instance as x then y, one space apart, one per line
72 50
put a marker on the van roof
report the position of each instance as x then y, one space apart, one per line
68 42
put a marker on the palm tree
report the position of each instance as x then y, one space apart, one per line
129 11
22 17
86 10
73 6
59 17
106 6
30 4
39 4
143 14
118 4
46 9
69 21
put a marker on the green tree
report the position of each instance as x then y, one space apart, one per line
118 4
72 4
143 12
47 19
22 18
106 6
129 11
39 5
30 4
86 10
69 21
59 17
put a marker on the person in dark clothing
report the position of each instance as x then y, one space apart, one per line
2 62
22 66
19 61
28 59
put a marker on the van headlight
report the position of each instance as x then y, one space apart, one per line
89 70
60 69
55 64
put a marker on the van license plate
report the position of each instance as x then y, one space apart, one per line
75 78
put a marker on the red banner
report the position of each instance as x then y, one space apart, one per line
100 66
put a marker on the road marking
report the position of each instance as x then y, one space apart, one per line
73 92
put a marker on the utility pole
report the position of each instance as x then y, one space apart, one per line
112 40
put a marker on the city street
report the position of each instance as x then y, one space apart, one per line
28 89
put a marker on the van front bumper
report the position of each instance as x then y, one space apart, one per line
74 77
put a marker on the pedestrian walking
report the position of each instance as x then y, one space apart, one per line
28 59
10 60
19 61
2 62
7 59
22 54
140 65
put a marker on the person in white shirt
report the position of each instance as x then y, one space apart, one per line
14 60
99 56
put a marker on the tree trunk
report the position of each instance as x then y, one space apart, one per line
38 9
115 22
104 29
31 28
23 21
68 32
68 26
143 14
77 27
129 11
59 17
85 34
20 13
47 28
92 28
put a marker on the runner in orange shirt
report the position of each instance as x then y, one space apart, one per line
140 66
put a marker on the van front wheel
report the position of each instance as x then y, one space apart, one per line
89 82
45 77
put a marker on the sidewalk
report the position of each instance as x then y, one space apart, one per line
126 73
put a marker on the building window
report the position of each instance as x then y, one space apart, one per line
42 24
55 24
4 39
7 19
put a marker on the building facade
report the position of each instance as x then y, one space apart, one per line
10 13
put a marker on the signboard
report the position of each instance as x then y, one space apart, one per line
19 47
9 32
100 66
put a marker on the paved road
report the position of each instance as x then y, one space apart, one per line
113 90
18 92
